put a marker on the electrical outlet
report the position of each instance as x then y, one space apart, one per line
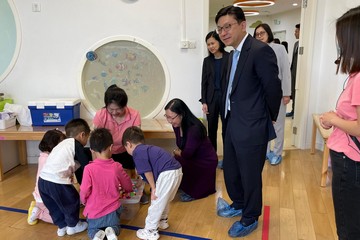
184 44
36 7
192 44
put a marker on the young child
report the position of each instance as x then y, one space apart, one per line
99 191
56 179
37 208
163 173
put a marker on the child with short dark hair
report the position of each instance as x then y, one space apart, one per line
57 177
82 155
163 173
99 191
37 208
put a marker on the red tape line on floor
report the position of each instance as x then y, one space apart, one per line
266 223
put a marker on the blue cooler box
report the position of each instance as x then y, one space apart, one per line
54 112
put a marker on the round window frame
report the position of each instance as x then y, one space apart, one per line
16 54
91 109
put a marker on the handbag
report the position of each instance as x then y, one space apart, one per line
356 141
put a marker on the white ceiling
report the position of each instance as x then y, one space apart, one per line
279 7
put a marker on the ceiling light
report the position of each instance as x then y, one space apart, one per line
294 4
251 12
253 3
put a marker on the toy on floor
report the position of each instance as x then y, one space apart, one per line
133 196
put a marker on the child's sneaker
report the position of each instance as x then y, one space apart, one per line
163 224
100 235
32 213
110 234
61 231
147 234
80 227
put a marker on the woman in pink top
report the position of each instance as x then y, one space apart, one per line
117 117
37 208
344 153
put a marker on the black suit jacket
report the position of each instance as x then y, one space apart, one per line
256 94
294 59
293 67
208 77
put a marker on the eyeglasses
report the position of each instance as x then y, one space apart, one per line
226 28
260 34
170 118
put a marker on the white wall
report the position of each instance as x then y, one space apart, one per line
287 22
55 40
319 87
325 54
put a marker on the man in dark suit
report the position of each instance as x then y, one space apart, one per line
293 69
250 106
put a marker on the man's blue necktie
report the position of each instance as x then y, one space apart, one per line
235 59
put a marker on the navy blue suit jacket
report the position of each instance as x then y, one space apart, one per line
256 94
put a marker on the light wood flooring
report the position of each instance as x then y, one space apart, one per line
299 207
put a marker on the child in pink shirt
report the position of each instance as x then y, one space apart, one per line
99 190
37 209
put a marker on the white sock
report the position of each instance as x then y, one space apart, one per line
34 214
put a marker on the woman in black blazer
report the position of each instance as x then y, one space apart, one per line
213 83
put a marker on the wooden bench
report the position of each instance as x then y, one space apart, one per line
325 135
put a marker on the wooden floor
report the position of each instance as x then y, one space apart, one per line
299 207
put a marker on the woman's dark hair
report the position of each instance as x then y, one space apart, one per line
217 38
267 29
188 118
50 139
285 43
100 139
116 95
231 10
348 37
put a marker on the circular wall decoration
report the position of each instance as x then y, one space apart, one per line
10 41
133 65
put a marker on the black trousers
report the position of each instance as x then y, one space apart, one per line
293 91
213 118
346 195
242 167
125 159
63 202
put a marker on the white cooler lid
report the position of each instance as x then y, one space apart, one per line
58 103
